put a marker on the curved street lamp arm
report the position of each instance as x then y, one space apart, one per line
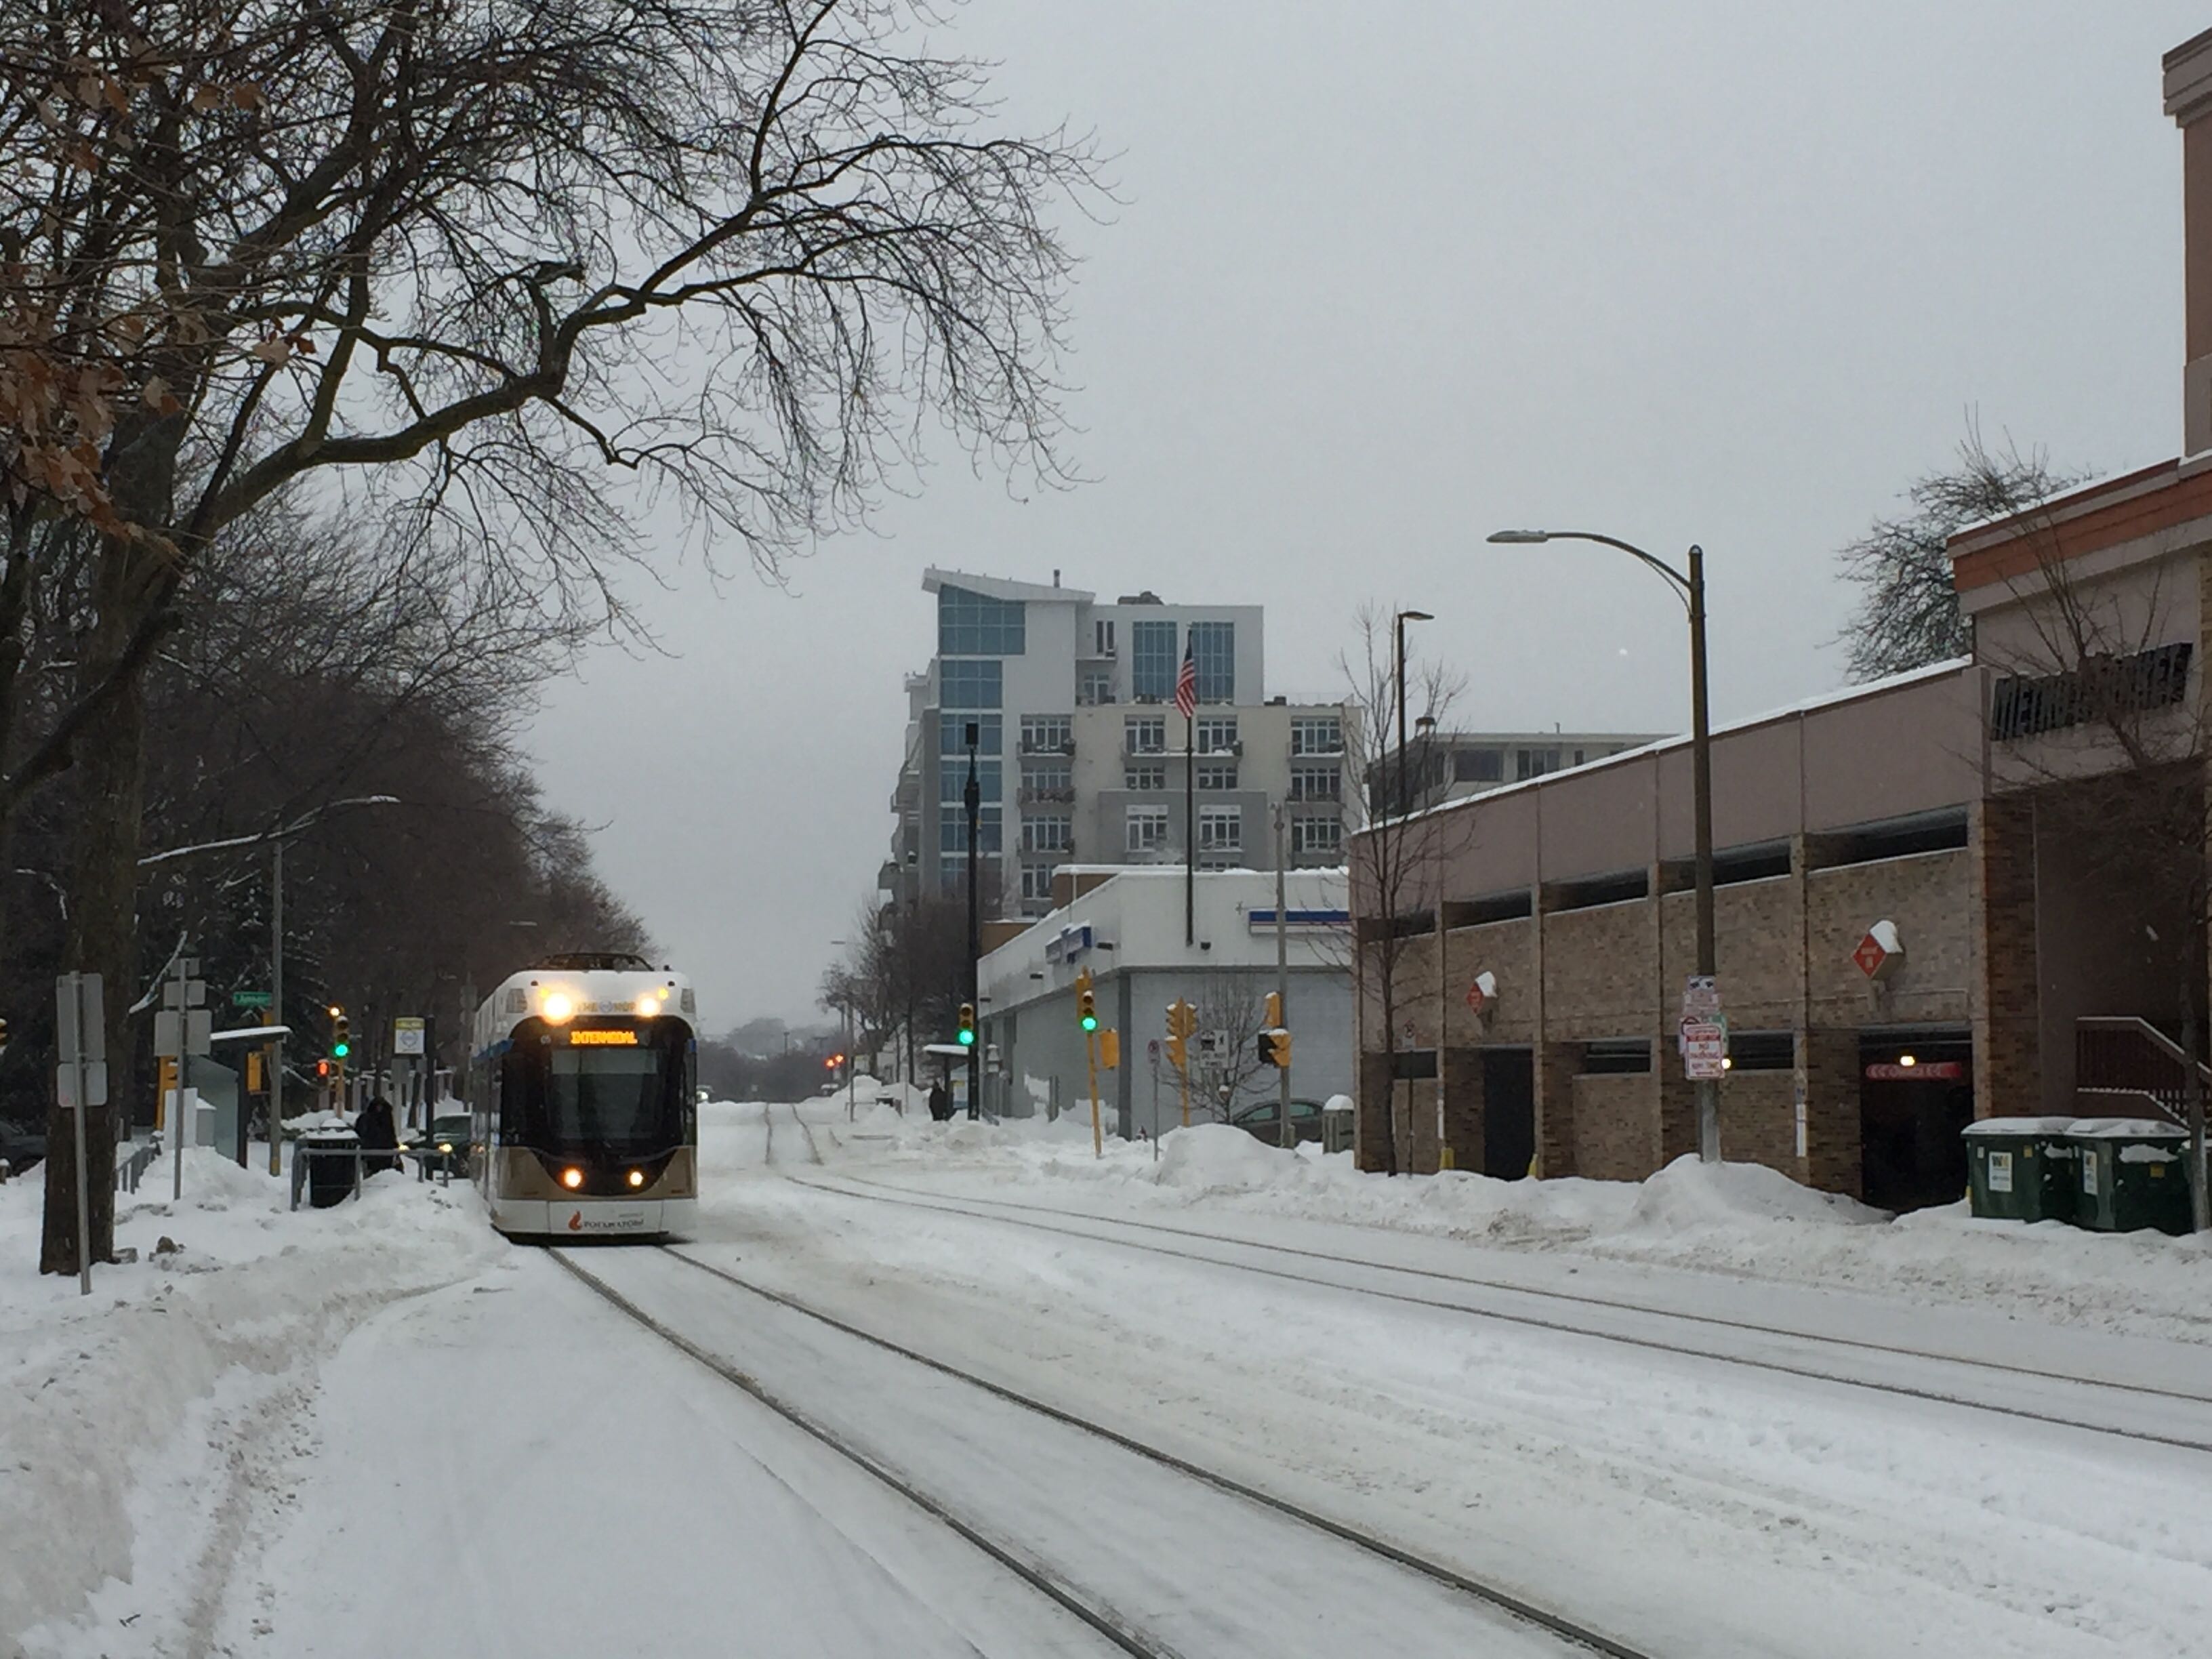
1680 582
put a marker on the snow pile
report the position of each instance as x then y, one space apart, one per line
196 1344
1688 1195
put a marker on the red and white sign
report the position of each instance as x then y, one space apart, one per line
1880 951
1704 1048
1481 991
1944 1071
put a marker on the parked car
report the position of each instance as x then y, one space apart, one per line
443 1148
1265 1120
22 1146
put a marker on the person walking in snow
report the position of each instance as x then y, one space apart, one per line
940 1101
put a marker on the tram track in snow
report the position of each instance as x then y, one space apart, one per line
1487 1605
1587 1315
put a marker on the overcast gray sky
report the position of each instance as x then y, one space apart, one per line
1390 275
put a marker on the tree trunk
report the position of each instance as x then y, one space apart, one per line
103 934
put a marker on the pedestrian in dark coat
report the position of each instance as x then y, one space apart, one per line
377 1132
940 1101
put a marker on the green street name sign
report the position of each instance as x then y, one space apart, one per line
250 999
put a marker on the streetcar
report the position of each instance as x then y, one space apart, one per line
583 1121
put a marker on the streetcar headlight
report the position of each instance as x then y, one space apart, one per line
557 1006
647 1006
637 1177
572 1178
444 1145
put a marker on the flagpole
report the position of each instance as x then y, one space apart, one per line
1189 828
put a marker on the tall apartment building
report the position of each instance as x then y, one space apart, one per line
1079 753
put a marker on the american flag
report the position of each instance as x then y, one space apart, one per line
1186 682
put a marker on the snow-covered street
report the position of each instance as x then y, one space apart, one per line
1701 1416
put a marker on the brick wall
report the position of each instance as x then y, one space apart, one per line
1555 1064
1830 1060
1615 1128
1507 949
1926 895
2000 845
1757 934
1759 1119
1371 1122
1598 972
1463 1106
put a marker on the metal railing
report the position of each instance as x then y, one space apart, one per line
132 1158
2124 1056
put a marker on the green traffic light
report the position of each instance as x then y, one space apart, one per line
1091 1021
341 1049
967 1038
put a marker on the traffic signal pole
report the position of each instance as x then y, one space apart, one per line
275 1061
1286 1137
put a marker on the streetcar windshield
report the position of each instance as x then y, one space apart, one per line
613 1097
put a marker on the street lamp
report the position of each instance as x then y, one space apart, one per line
1402 619
1690 587
972 795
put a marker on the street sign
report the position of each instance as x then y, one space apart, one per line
95 1083
75 1032
1704 1048
407 1035
1701 997
182 1031
250 1000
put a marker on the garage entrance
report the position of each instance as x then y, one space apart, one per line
1915 1094
1509 1111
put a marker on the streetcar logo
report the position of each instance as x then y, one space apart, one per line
575 1221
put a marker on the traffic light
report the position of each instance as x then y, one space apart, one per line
341 1033
1086 1010
1183 1021
967 1024
1274 1044
1109 1051
322 1069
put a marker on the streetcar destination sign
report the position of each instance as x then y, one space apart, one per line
619 1039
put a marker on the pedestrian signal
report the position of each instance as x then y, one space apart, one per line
1109 1051
967 1024
322 1068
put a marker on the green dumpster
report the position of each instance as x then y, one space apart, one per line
2134 1173
2021 1168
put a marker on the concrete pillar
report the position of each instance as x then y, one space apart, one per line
1678 1101
2004 1002
1555 1107
1828 1071
1463 1108
1371 1135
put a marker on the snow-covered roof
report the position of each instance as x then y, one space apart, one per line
1001 588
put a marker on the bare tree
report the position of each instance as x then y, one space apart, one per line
455 263
1231 1014
1908 612
1394 857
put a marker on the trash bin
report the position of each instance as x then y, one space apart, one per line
2021 1168
333 1171
2134 1174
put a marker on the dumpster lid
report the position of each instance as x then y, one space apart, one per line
2018 1125
2127 1129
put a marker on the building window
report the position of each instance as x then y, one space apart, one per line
1145 774
1312 835
1479 766
953 734
1318 734
1052 779
1102 632
1216 775
1316 782
1534 762
1152 660
1146 734
1220 829
977 625
1095 688
1048 734
1147 829
979 684
952 828
1217 735
1213 644
1047 835
1036 883
952 781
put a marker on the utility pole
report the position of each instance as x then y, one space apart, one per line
1286 1136
275 1063
972 795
